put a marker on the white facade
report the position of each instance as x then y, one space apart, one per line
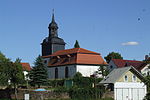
146 71
25 75
129 91
85 70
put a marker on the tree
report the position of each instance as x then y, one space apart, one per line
5 64
102 70
16 75
113 55
147 82
38 75
76 45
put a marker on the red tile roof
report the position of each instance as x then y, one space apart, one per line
123 63
26 66
75 56
71 51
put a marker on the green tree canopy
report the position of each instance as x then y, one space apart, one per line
76 45
5 69
113 55
38 74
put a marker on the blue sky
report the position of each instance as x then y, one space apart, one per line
99 25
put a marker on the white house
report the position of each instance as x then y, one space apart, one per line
65 63
126 83
26 68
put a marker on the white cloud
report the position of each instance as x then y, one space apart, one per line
130 43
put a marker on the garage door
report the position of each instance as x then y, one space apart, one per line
129 92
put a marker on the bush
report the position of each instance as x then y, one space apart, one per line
56 83
85 93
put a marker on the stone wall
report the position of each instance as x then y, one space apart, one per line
34 95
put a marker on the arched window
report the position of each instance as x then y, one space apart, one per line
56 73
66 72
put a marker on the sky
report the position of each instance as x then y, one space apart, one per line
102 26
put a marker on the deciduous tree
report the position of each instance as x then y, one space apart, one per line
113 55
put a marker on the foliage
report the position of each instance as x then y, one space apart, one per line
17 76
5 65
84 93
113 55
147 97
38 75
56 83
76 45
103 70
85 82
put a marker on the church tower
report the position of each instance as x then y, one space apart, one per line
52 43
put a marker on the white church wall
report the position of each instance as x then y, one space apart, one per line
87 70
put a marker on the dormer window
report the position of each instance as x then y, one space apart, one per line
126 78
134 78
58 58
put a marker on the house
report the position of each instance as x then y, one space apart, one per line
65 63
26 68
126 83
120 63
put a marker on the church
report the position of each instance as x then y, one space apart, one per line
65 63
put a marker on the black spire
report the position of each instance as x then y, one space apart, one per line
53 27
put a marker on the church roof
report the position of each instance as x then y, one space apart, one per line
26 66
75 56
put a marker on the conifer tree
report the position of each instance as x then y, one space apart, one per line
38 74
76 45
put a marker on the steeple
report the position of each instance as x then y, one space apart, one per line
53 27
52 43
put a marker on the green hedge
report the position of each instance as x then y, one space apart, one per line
85 93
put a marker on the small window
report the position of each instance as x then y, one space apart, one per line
134 78
126 78
111 67
45 61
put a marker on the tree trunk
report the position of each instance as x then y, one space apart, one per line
15 87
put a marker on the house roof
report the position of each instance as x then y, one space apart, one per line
123 63
75 56
26 66
114 75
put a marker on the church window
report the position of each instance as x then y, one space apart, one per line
66 72
56 73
